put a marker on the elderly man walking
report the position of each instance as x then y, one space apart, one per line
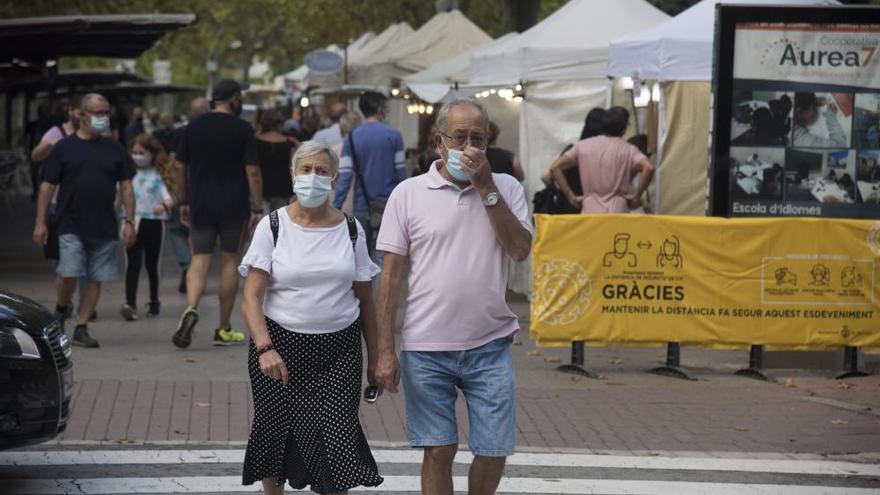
456 226
87 167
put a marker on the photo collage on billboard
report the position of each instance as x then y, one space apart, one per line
802 146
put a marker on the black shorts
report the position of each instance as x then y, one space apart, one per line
203 238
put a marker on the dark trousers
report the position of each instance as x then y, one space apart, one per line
147 250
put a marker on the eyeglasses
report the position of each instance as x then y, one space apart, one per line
460 140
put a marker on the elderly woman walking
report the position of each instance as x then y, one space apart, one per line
307 301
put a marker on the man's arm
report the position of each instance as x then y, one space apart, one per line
346 175
255 183
128 235
41 231
41 151
646 172
513 237
388 367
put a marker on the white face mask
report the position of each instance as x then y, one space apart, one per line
312 190
142 160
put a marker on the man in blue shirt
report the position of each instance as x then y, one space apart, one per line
378 157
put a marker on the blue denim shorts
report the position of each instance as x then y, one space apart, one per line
484 375
93 259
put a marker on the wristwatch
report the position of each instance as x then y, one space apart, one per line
491 199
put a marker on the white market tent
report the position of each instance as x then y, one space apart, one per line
561 63
679 53
435 82
387 40
445 35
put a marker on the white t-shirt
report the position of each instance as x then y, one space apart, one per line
311 271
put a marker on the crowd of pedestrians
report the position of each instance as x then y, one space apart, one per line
310 218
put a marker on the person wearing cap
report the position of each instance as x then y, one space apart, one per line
220 167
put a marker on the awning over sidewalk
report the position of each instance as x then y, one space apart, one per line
37 39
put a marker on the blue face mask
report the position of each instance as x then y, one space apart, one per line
312 190
453 164
100 124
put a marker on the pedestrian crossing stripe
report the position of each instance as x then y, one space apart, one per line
388 456
394 484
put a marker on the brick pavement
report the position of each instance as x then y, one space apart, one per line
596 415
138 388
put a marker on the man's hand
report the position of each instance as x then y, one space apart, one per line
255 219
184 216
578 202
128 235
41 234
387 374
474 162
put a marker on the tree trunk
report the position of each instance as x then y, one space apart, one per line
519 15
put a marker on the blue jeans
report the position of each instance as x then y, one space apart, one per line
93 259
485 376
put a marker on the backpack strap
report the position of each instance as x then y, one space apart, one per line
273 224
352 230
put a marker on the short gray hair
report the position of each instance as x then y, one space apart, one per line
86 101
443 114
312 148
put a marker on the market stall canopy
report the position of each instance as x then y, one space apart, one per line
433 83
301 75
37 39
443 36
391 37
680 49
146 88
68 80
572 43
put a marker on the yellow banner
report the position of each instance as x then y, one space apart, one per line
791 283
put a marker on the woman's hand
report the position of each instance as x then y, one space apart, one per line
577 202
273 366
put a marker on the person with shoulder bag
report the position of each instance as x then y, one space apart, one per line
307 303
374 156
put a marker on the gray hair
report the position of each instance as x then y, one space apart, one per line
312 148
86 101
443 114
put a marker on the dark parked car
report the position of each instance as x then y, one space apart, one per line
36 373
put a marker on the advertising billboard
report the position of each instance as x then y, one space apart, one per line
796 121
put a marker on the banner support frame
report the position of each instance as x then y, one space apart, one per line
576 367
672 368
756 365
851 364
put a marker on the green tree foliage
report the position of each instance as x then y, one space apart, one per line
233 32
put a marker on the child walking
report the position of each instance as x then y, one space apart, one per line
152 203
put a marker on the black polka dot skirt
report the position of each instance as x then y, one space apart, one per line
308 432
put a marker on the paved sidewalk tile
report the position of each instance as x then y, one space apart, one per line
700 418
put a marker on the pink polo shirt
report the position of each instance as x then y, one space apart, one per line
607 165
458 269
